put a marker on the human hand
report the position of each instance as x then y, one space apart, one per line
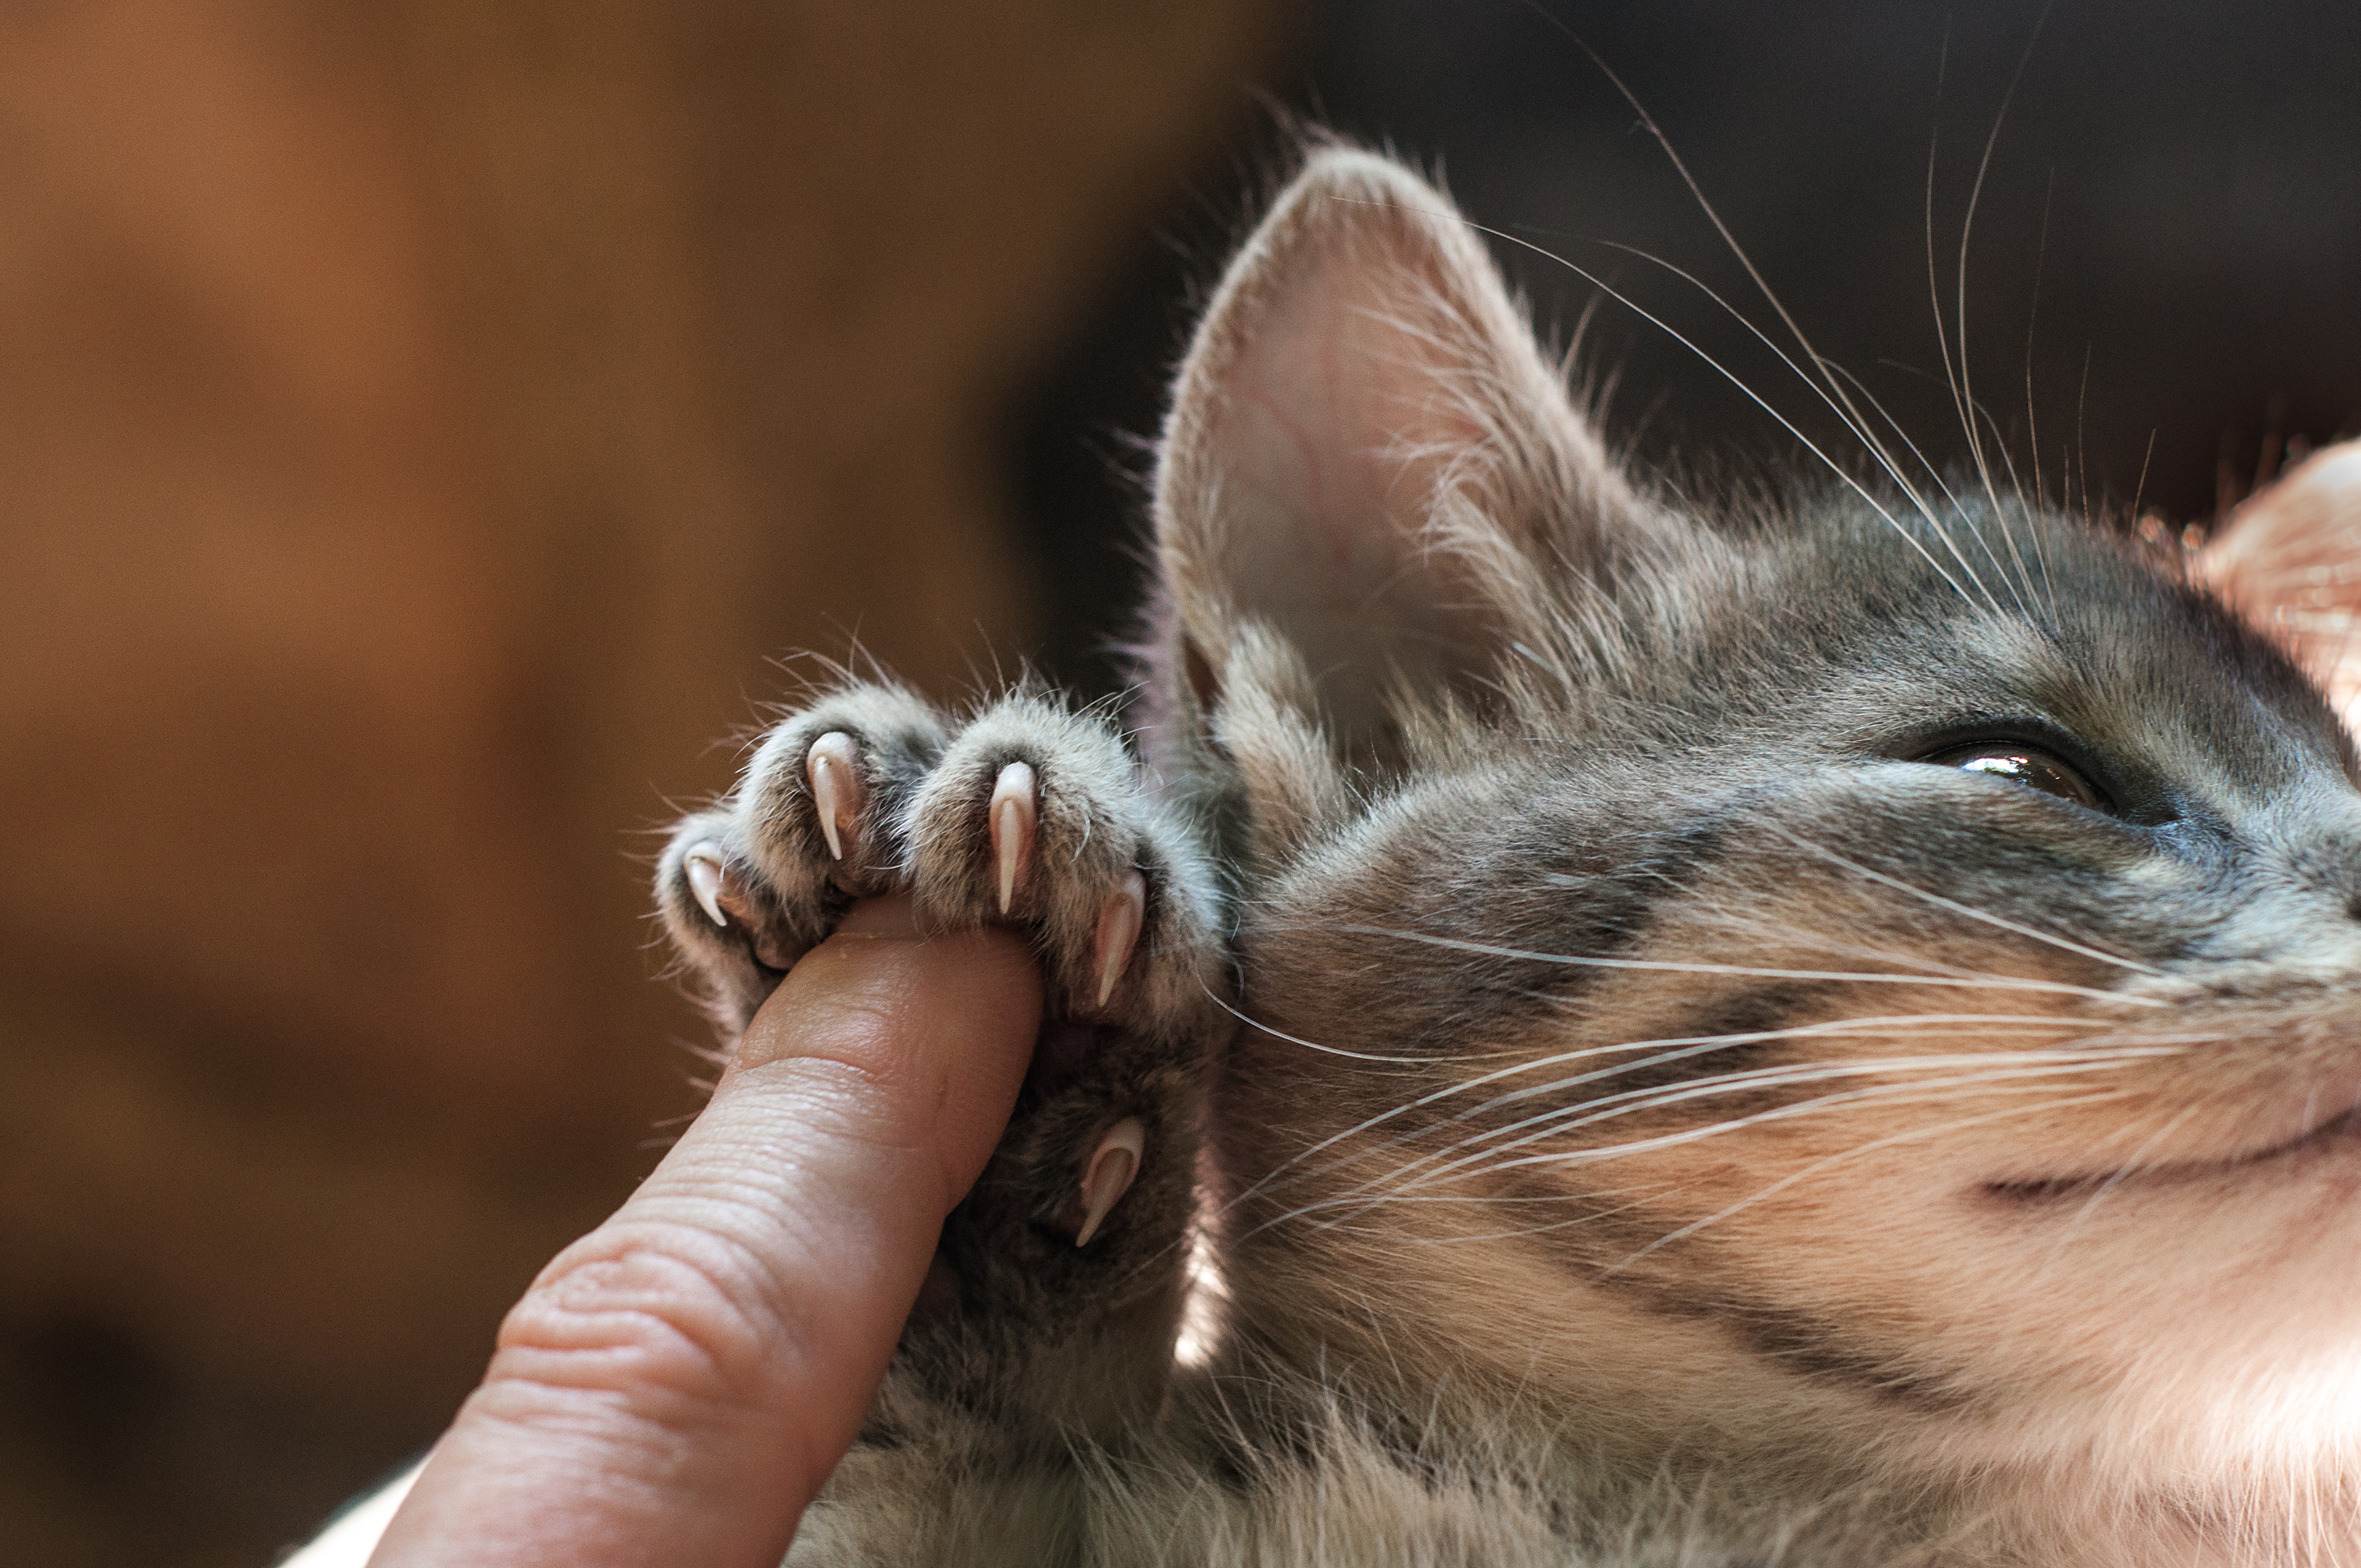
677 1384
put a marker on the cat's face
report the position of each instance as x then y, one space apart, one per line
1878 980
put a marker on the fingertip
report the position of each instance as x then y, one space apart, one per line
936 1028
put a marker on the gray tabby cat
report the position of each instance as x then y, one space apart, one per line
1818 1033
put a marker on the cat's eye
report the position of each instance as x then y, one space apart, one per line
2027 765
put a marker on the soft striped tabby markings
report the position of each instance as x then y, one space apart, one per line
1819 1028
1642 1039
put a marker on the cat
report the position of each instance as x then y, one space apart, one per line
1814 1031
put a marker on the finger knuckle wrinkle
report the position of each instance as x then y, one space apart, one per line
659 1323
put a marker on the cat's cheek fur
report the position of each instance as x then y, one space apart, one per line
1859 1272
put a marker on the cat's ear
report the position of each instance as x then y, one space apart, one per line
1369 457
2289 562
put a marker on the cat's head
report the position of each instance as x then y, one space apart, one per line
1877 973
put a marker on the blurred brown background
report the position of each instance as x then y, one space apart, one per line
420 420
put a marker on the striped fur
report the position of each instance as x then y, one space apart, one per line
1678 1114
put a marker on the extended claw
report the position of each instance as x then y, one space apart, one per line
703 866
838 792
1012 817
1114 1166
1120 918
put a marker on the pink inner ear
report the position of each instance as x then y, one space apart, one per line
1368 454
2291 563
1340 417
1334 385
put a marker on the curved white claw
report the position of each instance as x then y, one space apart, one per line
1114 1166
1120 918
1011 816
703 866
835 786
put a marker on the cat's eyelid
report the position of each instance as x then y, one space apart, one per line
2002 729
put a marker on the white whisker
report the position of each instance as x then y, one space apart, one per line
1580 960
1852 416
2032 426
1843 476
1260 1028
1559 1059
1889 1094
1342 1229
1956 907
1485 1163
1901 435
1696 1048
1737 1083
1845 414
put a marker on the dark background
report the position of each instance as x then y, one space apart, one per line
422 422
2197 169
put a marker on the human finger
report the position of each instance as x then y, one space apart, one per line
677 1384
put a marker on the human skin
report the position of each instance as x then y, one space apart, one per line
676 1386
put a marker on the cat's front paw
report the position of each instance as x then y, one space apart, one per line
1026 814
